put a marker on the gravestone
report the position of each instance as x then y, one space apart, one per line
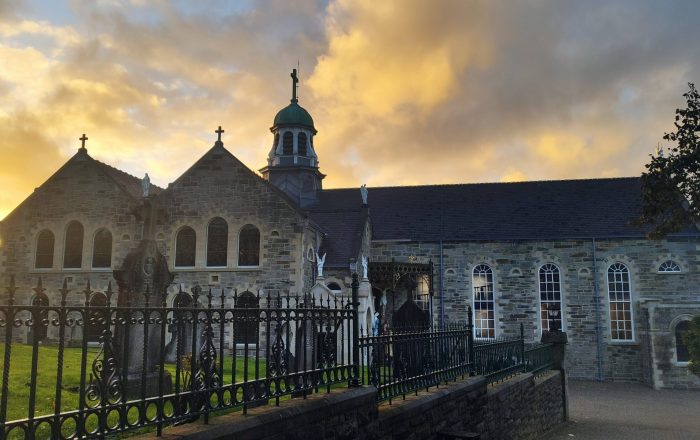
143 280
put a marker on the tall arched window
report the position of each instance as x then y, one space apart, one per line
288 143
301 144
185 247
245 323
73 250
484 302
44 250
249 246
217 243
550 297
102 249
619 299
682 354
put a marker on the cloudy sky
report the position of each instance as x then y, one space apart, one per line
404 92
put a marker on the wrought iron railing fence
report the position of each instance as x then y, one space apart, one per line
92 368
539 358
93 371
404 361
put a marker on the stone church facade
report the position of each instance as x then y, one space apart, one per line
544 254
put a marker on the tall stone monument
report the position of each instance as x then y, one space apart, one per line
143 280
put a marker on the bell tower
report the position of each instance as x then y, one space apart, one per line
292 164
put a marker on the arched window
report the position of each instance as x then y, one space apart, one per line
185 247
619 296
245 323
44 250
669 266
102 249
682 354
97 318
550 297
73 251
217 243
301 144
484 302
249 246
288 143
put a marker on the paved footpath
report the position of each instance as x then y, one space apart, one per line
620 411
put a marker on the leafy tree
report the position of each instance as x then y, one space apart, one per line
671 182
692 339
671 192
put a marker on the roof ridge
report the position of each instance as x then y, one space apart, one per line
131 176
522 182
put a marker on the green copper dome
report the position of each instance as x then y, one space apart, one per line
294 114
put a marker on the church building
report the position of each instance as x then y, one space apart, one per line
544 254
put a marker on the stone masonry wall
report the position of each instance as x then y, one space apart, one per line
524 407
520 408
515 265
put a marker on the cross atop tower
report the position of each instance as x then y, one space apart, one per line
82 140
218 133
295 82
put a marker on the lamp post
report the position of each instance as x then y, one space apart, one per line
355 379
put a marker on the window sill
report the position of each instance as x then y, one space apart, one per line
622 343
681 364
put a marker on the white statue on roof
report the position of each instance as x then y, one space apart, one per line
320 260
146 185
364 267
363 193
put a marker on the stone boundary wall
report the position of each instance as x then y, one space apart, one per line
524 407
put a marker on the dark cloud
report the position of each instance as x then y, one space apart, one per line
414 91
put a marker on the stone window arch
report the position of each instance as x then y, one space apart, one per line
245 323
288 143
549 282
45 244
669 266
102 249
620 303
249 246
484 302
301 144
679 332
185 247
217 243
335 287
73 248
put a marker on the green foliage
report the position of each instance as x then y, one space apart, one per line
671 182
692 339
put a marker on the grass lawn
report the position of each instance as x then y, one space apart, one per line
20 382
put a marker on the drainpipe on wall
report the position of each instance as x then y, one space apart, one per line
442 294
598 333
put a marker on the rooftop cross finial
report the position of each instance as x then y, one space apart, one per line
82 139
295 81
218 133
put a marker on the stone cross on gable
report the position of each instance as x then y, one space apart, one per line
82 140
218 132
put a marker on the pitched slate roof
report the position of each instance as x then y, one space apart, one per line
343 229
131 184
603 208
